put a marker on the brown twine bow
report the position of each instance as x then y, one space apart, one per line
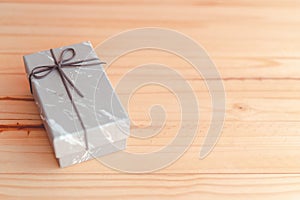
40 72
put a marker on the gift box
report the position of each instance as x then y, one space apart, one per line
79 108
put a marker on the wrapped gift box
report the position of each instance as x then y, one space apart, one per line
106 123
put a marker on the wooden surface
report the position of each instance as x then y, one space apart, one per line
255 45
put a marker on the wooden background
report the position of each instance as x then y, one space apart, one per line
255 45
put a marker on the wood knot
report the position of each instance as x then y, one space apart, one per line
241 107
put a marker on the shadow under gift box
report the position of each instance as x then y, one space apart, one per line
106 121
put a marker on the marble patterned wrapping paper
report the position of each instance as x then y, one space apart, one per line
106 121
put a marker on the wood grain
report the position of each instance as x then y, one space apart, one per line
255 46
161 186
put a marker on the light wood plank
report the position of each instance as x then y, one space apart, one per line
118 186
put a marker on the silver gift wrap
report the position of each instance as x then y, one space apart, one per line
106 122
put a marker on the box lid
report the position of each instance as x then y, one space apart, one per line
102 113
